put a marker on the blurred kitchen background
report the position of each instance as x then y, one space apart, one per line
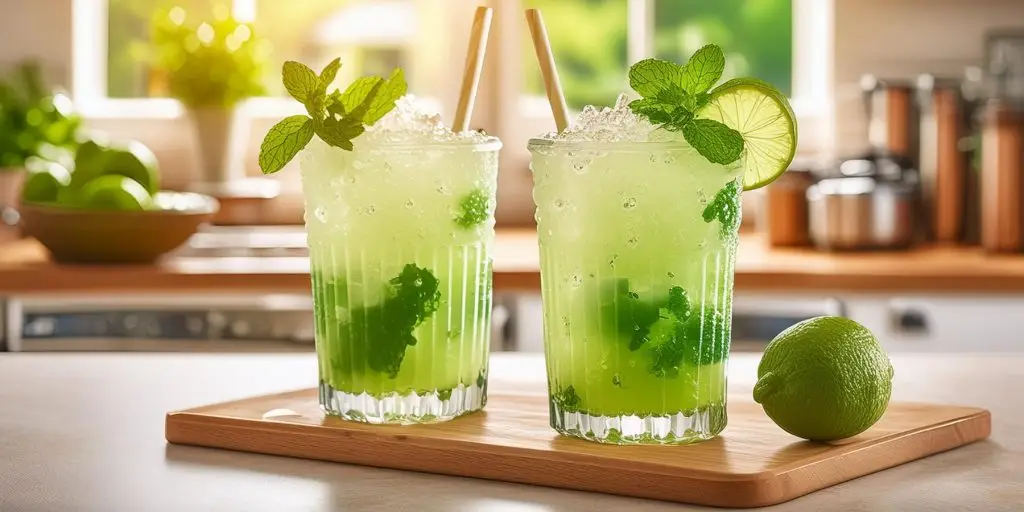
903 209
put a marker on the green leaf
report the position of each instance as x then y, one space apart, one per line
654 110
357 91
300 81
650 77
360 112
703 70
329 73
284 141
334 104
673 95
339 133
393 88
715 141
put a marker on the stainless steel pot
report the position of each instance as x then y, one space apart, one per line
855 213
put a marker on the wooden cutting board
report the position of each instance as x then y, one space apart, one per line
753 463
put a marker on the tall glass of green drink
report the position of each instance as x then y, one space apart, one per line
638 219
400 226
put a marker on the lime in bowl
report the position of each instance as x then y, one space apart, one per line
638 212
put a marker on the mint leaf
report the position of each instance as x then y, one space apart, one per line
357 91
335 107
283 142
654 110
473 209
649 77
673 94
329 73
725 208
360 112
715 141
339 133
300 81
703 70
393 88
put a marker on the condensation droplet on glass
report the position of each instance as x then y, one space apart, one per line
371 209
611 261
409 204
702 244
443 190
560 203
320 213
633 240
671 274
653 158
576 280
570 154
669 159
629 203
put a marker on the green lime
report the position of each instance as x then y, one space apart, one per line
45 181
824 379
114 192
130 159
764 118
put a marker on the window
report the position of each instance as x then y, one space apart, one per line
370 36
591 40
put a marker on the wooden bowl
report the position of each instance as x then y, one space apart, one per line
75 235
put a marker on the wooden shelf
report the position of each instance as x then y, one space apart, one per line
26 269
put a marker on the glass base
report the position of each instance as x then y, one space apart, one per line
679 428
430 407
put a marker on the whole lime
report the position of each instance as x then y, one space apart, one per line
45 182
114 192
131 159
824 379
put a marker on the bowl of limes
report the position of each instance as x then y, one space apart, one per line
105 205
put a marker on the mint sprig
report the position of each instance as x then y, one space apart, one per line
673 94
337 118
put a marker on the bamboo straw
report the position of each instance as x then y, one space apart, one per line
547 68
474 65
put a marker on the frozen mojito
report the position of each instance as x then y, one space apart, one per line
638 211
400 225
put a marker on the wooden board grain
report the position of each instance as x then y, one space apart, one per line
754 463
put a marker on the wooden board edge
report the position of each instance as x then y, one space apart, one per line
743 490
241 435
785 484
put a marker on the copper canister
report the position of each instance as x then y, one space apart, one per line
784 210
1002 186
943 161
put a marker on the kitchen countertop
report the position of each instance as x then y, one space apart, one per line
25 269
84 432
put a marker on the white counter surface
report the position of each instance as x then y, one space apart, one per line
84 432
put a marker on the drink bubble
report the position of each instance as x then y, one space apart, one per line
576 280
633 240
320 213
409 204
629 203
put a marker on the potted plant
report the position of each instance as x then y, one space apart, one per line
34 122
210 66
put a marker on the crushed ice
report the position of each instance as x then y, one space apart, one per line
411 122
611 124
